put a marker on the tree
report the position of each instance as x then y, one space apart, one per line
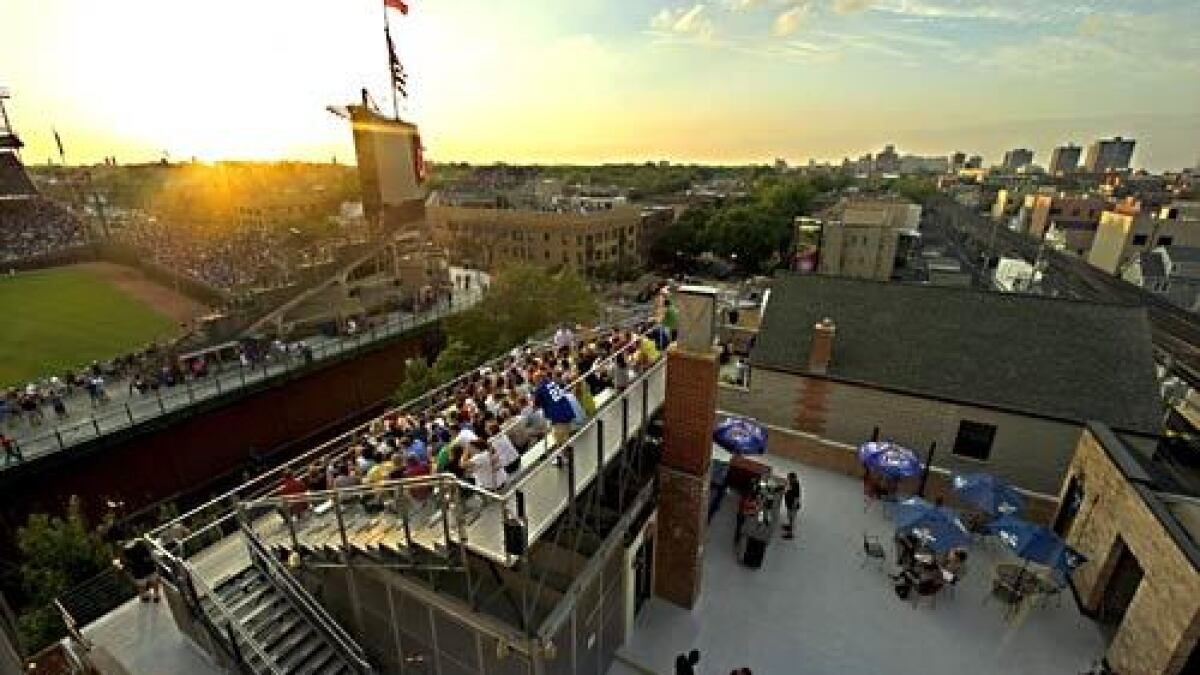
453 360
683 239
418 379
522 301
57 554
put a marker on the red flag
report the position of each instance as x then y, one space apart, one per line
398 5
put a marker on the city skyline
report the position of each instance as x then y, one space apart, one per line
719 81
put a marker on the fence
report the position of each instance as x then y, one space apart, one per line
111 417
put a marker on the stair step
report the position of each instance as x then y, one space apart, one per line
274 633
290 661
294 639
324 661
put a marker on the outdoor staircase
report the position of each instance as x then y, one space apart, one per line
280 631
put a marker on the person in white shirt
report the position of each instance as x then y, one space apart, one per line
563 337
481 464
506 452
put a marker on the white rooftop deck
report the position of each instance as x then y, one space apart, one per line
814 609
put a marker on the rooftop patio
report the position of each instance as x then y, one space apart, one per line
814 608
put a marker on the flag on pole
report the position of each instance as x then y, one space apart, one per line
398 5
58 141
399 77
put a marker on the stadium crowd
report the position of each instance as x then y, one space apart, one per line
255 257
34 227
147 372
479 427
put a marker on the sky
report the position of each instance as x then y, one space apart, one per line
562 81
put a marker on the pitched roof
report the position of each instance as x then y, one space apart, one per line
1058 358
14 182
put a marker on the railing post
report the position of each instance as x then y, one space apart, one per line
599 456
341 523
96 425
58 435
402 504
129 412
242 370
218 382
158 394
291 526
569 451
233 644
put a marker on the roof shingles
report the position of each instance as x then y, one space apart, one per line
1055 358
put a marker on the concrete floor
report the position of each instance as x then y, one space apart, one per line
813 609
141 639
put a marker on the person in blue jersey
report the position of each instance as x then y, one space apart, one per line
555 402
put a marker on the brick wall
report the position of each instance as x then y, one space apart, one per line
689 416
843 458
1160 628
1028 451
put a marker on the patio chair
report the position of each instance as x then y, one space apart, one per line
873 551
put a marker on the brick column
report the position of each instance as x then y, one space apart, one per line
689 415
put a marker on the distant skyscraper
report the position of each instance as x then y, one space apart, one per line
1109 154
1017 158
1064 159
974 162
958 160
887 161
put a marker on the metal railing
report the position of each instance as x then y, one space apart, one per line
219 620
307 605
107 418
582 457
224 506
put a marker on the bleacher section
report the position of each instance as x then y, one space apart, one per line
14 182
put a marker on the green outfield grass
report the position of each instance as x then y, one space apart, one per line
55 319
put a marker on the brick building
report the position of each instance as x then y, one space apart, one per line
1001 383
1139 534
582 241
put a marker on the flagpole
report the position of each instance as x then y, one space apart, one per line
387 32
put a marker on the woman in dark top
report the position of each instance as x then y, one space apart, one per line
791 501
139 564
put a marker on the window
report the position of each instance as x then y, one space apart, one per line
1139 240
974 440
1165 241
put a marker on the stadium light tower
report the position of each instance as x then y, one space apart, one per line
8 138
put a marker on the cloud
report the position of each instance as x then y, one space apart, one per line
851 6
790 21
692 23
744 5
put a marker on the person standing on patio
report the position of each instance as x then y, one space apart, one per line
747 507
791 501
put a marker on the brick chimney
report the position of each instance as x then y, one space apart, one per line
821 351
689 417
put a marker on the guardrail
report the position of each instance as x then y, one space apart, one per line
112 417
306 604
581 458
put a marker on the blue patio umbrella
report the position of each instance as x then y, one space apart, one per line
938 527
1036 543
991 494
894 461
871 448
741 436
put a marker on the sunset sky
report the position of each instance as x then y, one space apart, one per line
607 80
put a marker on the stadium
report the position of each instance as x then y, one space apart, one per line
121 281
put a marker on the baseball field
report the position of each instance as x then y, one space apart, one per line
65 317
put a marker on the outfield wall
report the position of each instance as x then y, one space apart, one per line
181 453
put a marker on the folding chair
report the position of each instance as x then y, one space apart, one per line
873 551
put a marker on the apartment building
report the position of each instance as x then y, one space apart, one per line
860 236
583 241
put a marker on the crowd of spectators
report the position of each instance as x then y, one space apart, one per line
479 427
35 227
147 372
257 257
